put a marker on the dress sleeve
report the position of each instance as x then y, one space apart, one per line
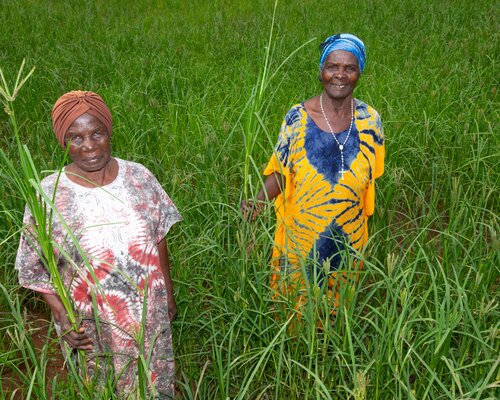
32 273
378 167
280 160
168 214
379 144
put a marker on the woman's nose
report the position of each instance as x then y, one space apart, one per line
339 73
88 143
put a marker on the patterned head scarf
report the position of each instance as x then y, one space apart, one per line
343 41
74 104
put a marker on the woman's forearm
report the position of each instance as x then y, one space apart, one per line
55 304
273 186
77 339
165 268
165 264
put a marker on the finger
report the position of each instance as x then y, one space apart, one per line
78 338
85 347
246 205
254 214
80 344
78 335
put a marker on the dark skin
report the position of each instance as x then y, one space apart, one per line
273 186
339 76
76 339
90 152
165 267
92 165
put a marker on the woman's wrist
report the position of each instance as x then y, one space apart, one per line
56 306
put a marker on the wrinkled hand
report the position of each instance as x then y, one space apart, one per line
251 209
172 308
78 340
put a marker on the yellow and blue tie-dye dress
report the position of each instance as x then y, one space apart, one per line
322 219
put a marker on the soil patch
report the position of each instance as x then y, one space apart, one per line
38 329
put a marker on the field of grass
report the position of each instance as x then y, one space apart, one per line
198 90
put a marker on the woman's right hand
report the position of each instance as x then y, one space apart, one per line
273 186
251 208
78 339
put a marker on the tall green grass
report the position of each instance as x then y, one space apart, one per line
179 78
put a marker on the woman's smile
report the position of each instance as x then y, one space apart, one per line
340 74
89 145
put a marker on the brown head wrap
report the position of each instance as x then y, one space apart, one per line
72 105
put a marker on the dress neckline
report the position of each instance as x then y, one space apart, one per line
117 179
302 104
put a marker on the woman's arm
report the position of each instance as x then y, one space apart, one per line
76 339
273 186
165 267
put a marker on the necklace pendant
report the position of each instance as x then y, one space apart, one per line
341 147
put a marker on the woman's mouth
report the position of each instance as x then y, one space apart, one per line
92 159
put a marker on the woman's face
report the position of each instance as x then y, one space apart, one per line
88 141
340 74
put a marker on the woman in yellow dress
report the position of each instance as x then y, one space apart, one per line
321 177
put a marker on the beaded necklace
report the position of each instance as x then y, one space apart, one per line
341 146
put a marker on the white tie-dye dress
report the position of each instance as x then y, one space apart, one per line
118 226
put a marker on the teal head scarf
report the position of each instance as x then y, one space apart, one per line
343 41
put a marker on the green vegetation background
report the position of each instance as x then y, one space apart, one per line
180 78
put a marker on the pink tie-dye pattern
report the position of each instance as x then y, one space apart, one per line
119 229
